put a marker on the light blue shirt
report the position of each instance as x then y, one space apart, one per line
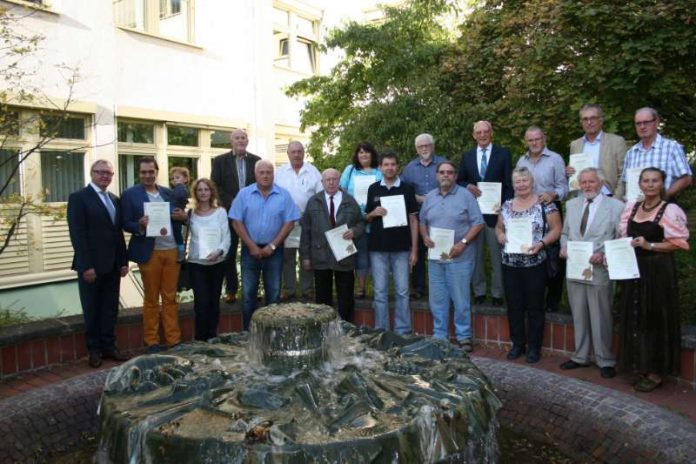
458 210
423 178
348 183
548 171
263 217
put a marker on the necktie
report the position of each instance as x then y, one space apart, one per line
332 211
109 206
585 217
484 162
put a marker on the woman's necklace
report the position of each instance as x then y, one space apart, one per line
650 208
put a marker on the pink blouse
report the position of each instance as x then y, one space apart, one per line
673 222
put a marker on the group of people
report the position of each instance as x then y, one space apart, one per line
284 218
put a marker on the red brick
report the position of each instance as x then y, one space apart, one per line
24 357
558 336
236 322
428 330
547 335
186 326
687 365
67 348
80 345
493 329
53 350
135 336
9 360
225 323
504 327
418 322
480 327
38 354
121 333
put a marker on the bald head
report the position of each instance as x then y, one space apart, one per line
483 133
330 180
263 171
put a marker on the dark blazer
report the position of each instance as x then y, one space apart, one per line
315 221
98 242
499 170
224 174
132 200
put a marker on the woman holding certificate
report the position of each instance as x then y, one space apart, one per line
355 180
210 239
651 332
520 230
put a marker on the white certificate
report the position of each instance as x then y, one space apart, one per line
579 161
444 241
159 221
518 232
396 211
621 259
360 186
633 192
340 247
209 239
578 266
489 201
293 238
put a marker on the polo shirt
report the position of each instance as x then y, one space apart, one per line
392 239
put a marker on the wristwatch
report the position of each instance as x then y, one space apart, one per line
272 245
465 241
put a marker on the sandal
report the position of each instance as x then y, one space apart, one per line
646 385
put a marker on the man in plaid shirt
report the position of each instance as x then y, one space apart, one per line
658 151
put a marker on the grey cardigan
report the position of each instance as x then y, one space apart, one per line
315 221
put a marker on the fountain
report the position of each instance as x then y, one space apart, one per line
302 387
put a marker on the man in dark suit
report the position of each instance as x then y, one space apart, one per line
231 172
94 221
487 163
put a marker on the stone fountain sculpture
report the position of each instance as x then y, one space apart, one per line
301 387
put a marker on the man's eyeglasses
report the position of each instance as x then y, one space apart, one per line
590 118
645 123
103 173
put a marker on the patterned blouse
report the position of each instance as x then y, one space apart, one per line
534 212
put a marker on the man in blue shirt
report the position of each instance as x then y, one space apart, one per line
262 214
420 174
451 209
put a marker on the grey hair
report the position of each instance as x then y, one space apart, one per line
483 121
592 169
534 129
423 136
653 112
592 106
523 172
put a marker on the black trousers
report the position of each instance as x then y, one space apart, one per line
323 288
231 275
100 309
524 292
206 282
554 286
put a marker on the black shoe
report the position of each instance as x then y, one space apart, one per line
533 356
152 349
607 372
481 299
115 355
515 352
570 364
95 359
466 345
497 301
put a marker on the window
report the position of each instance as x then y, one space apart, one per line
296 38
128 170
133 132
220 139
185 162
62 173
62 126
183 136
8 164
172 19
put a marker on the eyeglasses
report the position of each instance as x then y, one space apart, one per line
590 118
645 123
103 173
425 145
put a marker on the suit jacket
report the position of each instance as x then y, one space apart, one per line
98 242
315 221
140 246
603 227
499 170
612 151
225 176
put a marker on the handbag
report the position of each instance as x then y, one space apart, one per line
184 278
553 251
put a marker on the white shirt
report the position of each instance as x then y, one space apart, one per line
301 185
337 197
593 209
479 155
216 220
592 149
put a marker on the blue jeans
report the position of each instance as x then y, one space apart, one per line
270 269
382 263
450 282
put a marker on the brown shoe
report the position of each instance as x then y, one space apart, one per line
230 298
115 355
94 360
